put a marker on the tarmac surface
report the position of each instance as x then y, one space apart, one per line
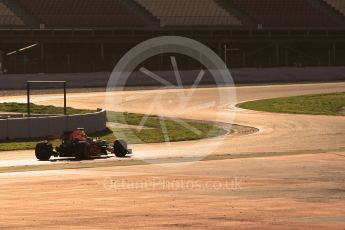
277 132
299 184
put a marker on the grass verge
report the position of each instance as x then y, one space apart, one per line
317 104
151 133
189 130
12 107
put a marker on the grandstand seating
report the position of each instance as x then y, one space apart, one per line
191 12
338 5
9 18
81 13
285 13
143 13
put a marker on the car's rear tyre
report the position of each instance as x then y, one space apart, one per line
82 151
43 151
120 148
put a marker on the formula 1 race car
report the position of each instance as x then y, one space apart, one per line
78 145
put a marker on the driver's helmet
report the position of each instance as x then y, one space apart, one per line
79 135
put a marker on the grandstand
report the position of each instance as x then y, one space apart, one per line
92 35
189 13
172 13
338 5
81 13
282 13
9 18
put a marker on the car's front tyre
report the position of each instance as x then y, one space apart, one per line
43 151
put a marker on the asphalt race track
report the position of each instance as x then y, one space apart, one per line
278 132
